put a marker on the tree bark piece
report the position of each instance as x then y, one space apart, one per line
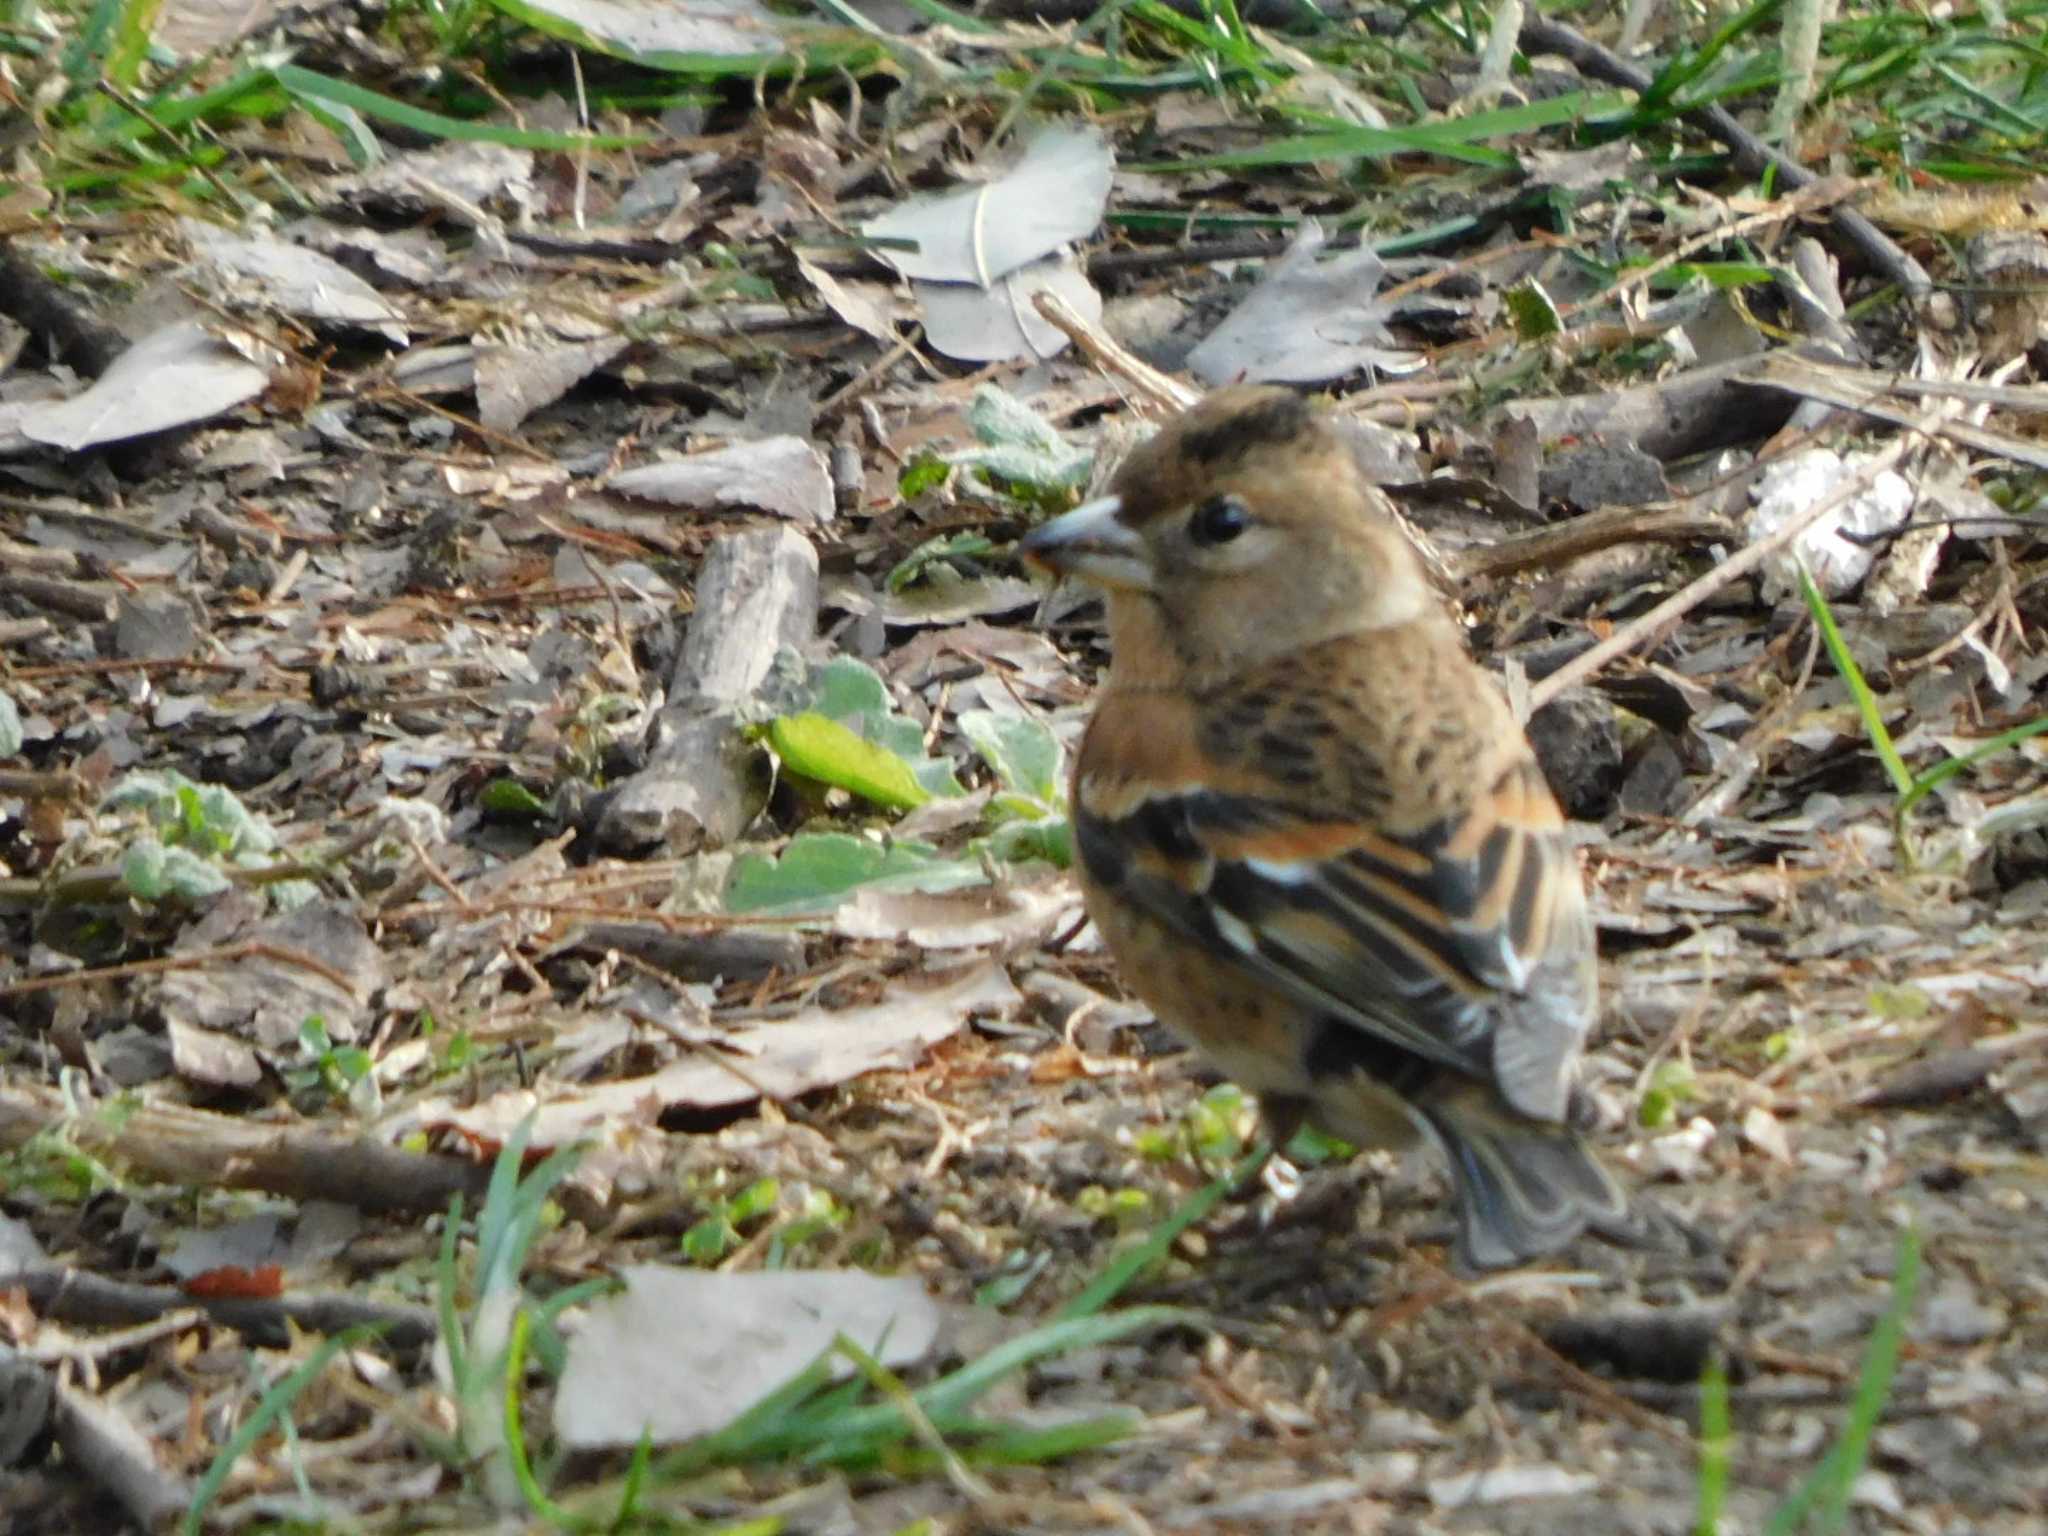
1713 407
757 596
300 1162
88 1300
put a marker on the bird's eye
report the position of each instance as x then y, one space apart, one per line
1219 520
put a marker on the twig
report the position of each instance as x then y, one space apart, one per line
59 784
111 668
49 313
870 376
1538 548
78 1296
247 951
127 103
212 1151
1653 624
1157 389
1806 200
1752 154
115 1456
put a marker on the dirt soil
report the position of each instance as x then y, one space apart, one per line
427 656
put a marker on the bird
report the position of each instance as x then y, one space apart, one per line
1313 836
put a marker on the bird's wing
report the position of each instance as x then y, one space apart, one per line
1464 944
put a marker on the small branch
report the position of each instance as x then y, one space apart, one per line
80 1297
208 1151
1542 548
104 1443
1652 625
254 949
1752 154
1100 348
62 784
46 309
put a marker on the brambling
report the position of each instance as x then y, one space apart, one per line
1311 832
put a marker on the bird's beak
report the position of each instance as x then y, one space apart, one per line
1091 543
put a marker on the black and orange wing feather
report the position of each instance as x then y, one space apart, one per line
1464 944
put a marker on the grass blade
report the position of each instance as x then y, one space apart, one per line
308 85
1859 690
1942 772
1831 1484
1715 1441
1122 1269
273 1405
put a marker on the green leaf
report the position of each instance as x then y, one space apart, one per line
1050 838
510 798
142 869
1456 138
347 125
1831 1484
933 551
819 747
131 41
1019 446
232 824
934 776
191 878
1671 1086
83 59
11 737
1718 274
1716 1439
1532 312
271 1407
852 694
1021 751
819 870
137 790
847 689
1859 690
923 473
255 93
1947 769
152 872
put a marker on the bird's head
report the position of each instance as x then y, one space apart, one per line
1241 532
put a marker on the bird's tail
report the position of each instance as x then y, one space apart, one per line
1525 1188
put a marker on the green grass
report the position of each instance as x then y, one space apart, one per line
272 1408
494 1333
1908 788
1819 1505
1901 92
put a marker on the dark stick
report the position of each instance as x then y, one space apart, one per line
1752 154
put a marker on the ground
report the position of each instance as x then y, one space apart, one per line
631 716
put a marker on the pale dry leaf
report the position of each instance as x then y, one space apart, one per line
1053 195
1307 322
512 382
786 1058
648 29
969 918
783 475
171 378
870 308
260 268
683 1352
998 323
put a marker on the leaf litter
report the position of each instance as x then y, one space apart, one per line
594 587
